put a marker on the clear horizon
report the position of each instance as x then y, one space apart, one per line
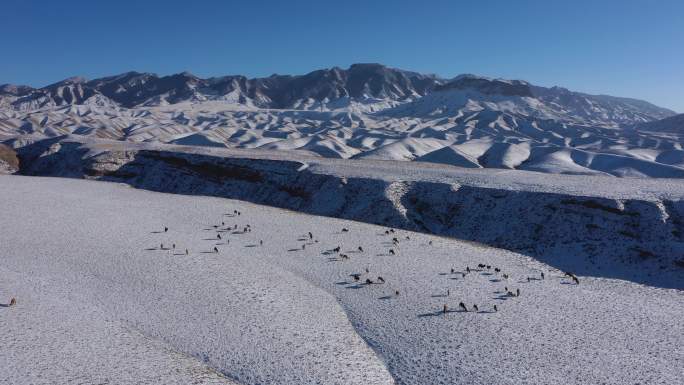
620 48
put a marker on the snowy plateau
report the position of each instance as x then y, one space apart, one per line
366 225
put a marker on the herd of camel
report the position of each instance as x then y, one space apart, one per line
366 278
357 277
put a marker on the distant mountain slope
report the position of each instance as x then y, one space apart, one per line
672 124
277 91
366 111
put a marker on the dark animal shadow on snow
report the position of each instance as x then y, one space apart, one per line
251 245
386 297
440 313
356 286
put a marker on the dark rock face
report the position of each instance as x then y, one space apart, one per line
9 162
490 86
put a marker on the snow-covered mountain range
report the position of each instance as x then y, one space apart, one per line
366 111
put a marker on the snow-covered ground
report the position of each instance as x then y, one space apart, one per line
98 301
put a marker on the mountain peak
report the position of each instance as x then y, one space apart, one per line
489 86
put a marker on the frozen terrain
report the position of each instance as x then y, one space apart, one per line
626 228
367 111
100 301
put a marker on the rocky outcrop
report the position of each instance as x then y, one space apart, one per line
9 163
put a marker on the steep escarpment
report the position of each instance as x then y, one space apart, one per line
635 239
9 163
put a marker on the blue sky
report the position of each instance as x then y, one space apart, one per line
623 48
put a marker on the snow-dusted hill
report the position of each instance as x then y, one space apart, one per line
367 111
103 296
